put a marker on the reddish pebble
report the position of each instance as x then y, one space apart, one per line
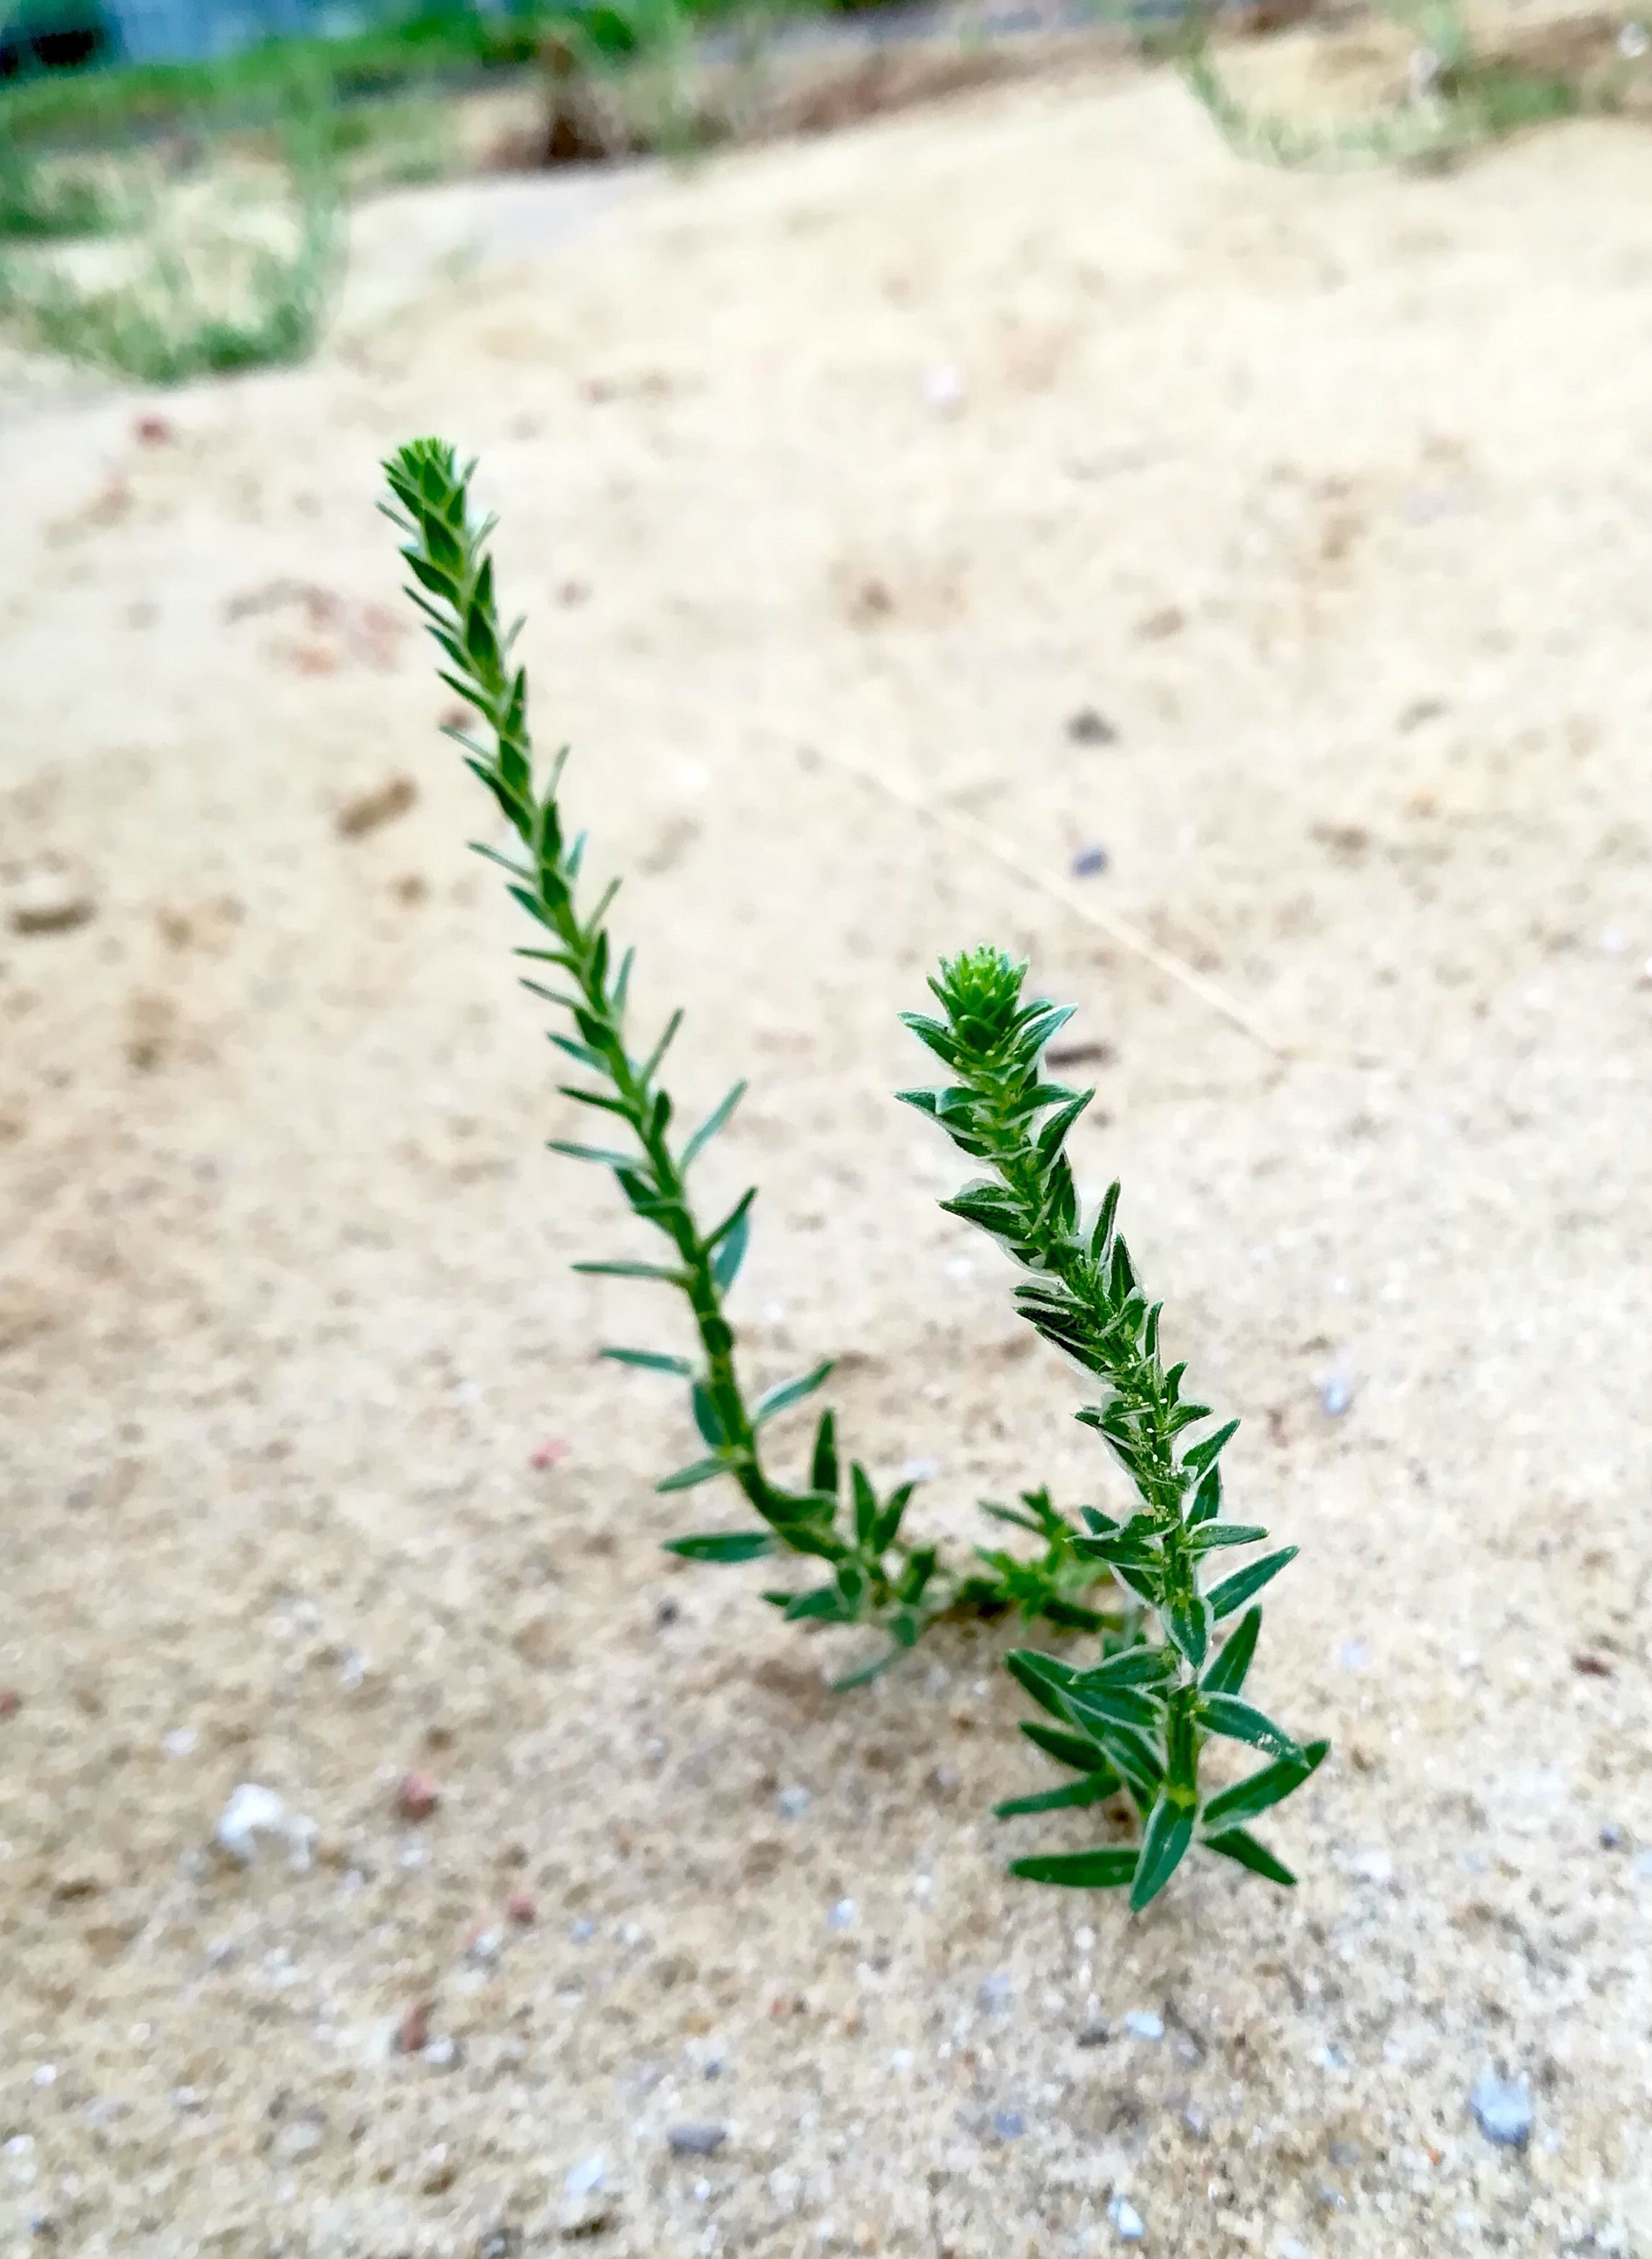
520 1906
416 2028
419 1797
546 1455
154 431
11 1701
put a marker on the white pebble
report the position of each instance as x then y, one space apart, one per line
841 1914
583 2178
45 2073
180 1742
792 1803
1130 2224
943 386
1145 2025
255 1816
1376 1867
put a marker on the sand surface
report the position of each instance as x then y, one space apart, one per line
1332 496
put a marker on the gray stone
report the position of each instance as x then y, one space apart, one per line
1503 2108
697 2140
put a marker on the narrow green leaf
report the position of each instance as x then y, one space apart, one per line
1008 1514
650 1361
824 1605
1132 1666
1066 1748
1115 1706
1106 1869
710 1126
1042 1678
1214 1534
702 1471
775 1401
887 1526
656 1271
725 1264
1243 1721
737 1545
1206 1500
1263 1790
1101 1232
1235 1591
1187 1620
1227 1674
1203 1454
707 1418
823 1470
601 1154
1236 1844
1164 1841
865 1503
1095 1788
1071 1616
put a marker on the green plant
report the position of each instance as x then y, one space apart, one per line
40 202
236 303
1139 1720
1458 97
831 1513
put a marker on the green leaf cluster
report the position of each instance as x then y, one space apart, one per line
1135 1725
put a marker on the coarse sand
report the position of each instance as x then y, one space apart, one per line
902 449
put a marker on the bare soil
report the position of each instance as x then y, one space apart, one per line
900 448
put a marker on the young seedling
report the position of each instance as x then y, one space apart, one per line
833 1512
1139 1720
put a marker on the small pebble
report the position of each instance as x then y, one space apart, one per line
11 1701
1086 727
1089 862
582 1929
665 1615
1503 2108
255 1816
583 2178
1376 1867
1641 1866
414 2029
549 1454
152 430
702 2192
1335 1397
1633 42
1142 2024
1353 1655
901 2061
841 1914
1009 2125
1093 2035
997 1992
45 2073
1611 1836
441 2053
792 1803
180 1742
943 386
520 1908
696 2140
1344 2154
1126 2219
486 1946
418 1797
920 1471
50 901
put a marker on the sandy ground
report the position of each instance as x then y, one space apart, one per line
1331 496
